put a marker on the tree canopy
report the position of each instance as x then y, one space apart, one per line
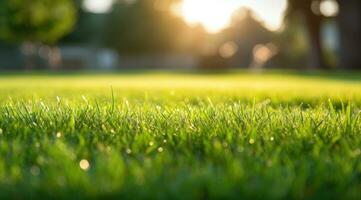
144 26
43 21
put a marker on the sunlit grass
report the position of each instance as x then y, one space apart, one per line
180 136
283 87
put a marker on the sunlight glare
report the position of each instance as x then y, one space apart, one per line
84 164
216 15
212 14
97 6
329 8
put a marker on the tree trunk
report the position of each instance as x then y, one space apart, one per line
350 34
316 56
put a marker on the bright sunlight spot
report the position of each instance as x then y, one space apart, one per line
97 6
212 14
216 15
84 164
329 8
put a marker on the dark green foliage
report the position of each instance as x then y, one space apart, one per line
141 27
42 21
309 12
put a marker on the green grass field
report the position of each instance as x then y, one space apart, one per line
180 136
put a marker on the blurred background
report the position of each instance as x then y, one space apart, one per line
179 34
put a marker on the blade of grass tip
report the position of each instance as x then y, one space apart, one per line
97 106
348 114
332 108
113 100
253 108
210 102
342 106
301 112
71 122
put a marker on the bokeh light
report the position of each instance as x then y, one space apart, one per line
84 164
329 8
228 49
262 53
97 6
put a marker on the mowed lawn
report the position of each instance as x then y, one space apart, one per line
180 136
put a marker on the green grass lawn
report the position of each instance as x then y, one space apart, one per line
180 136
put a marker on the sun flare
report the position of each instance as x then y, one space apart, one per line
213 15
216 15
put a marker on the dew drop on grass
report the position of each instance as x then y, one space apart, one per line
160 149
58 134
164 141
151 143
272 138
128 151
84 164
251 141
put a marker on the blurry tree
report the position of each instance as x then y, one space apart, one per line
350 31
246 32
309 11
36 23
89 27
292 46
148 27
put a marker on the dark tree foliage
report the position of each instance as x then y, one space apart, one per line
350 31
141 27
246 32
38 21
89 28
308 10
38 24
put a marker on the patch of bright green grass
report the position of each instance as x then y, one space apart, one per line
180 136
